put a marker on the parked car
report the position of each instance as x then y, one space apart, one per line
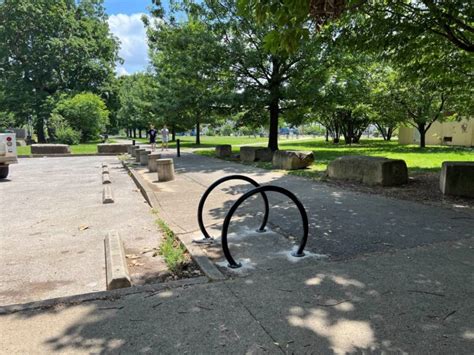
8 153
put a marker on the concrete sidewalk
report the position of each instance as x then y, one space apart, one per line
381 275
410 301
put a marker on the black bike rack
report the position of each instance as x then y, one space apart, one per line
217 183
262 189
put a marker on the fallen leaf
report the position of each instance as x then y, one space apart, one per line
83 227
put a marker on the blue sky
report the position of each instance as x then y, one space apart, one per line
125 23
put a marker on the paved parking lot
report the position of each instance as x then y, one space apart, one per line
53 223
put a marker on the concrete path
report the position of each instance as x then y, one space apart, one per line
397 277
53 224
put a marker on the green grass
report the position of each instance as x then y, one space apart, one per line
171 249
417 159
83 148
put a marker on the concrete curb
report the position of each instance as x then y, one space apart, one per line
105 170
106 178
207 266
107 196
100 295
115 262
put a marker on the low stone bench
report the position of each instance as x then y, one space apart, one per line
112 148
291 160
457 178
223 151
152 158
165 169
369 170
144 157
250 154
50 149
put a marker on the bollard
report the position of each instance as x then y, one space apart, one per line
152 158
144 157
165 169
133 142
178 147
137 154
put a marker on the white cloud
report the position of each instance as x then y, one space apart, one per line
131 32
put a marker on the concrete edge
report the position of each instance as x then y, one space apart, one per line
107 196
100 295
105 170
207 266
116 268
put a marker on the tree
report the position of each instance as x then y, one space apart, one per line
451 21
137 94
85 113
189 67
52 47
265 84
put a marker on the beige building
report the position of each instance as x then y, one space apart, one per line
441 133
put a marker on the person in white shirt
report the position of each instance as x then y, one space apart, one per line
165 135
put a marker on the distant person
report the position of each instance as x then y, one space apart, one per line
165 135
152 134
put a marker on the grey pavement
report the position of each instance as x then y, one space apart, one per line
380 276
53 224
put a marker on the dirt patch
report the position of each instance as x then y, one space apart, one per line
422 187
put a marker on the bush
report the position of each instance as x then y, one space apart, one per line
85 113
67 135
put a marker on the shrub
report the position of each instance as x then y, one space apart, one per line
85 113
67 135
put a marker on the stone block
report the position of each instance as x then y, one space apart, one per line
223 151
144 157
152 158
130 148
250 154
134 150
106 178
107 196
50 149
112 148
369 170
116 264
291 160
457 178
165 169
137 154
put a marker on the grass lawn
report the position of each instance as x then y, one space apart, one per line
417 159
83 148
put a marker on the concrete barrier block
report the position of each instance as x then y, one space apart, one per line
144 157
152 158
223 151
50 149
369 170
251 154
291 160
112 148
134 150
165 170
116 264
107 196
137 154
106 179
457 178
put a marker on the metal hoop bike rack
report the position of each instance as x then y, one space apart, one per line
217 183
262 189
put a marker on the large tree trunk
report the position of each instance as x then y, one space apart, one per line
198 133
140 133
173 133
327 135
134 133
422 131
39 128
273 131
